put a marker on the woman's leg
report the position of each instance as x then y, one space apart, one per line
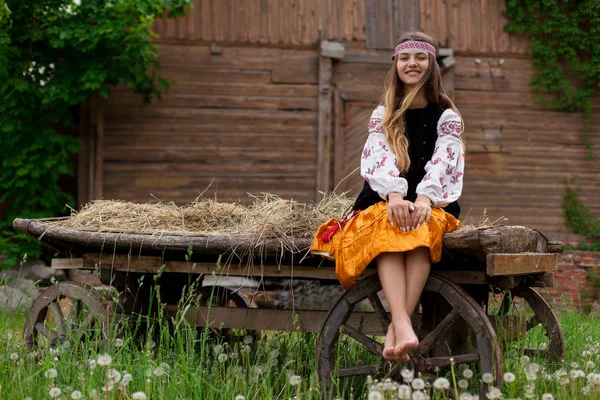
418 265
392 274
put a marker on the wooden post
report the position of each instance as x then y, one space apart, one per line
91 154
98 160
324 122
84 157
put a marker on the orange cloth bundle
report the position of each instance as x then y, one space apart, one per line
368 234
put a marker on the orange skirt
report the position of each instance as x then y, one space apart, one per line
368 234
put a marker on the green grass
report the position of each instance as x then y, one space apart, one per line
182 362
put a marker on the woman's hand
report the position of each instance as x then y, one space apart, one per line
399 211
421 213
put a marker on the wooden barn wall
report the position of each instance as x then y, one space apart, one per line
247 117
288 22
236 122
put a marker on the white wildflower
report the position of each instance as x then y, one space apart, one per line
76 395
295 380
139 396
590 365
463 384
223 357
54 392
509 377
418 384
104 360
586 353
494 393
14 356
467 373
407 374
51 373
596 379
441 383
240 397
51 65
375 395
465 396
92 364
404 392
113 376
487 378
547 396
418 395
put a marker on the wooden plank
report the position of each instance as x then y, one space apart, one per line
68 263
275 320
98 105
84 166
406 15
378 24
520 264
324 135
149 264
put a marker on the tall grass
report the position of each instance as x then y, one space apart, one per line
173 360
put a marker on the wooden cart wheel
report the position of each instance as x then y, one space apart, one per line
462 311
86 320
553 347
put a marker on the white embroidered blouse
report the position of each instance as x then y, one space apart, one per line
442 182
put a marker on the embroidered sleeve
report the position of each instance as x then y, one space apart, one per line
443 180
378 163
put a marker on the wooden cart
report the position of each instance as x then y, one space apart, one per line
457 321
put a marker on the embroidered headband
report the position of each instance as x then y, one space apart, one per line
414 45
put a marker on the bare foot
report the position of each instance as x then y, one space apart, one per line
389 347
406 339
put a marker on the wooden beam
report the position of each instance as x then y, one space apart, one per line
67 263
332 49
98 149
261 319
520 264
324 125
149 264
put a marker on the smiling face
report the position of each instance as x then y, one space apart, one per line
412 66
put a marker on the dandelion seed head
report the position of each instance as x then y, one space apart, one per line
467 373
531 376
217 349
403 392
104 360
574 365
547 396
487 378
590 365
51 373
240 397
596 379
108 387
139 396
563 381
92 364
223 357
543 346
118 342
561 372
418 395
113 376
76 395
532 367
151 344
126 379
585 390
14 356
463 383
295 380
248 339
465 396
525 359
509 377
494 393
375 395
158 371
441 383
407 374
54 392
418 384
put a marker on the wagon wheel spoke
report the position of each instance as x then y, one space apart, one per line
446 361
383 316
372 369
427 343
506 304
87 323
59 318
372 345
533 322
48 333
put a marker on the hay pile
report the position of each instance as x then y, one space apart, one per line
265 218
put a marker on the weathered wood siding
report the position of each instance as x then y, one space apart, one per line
246 113
288 22
241 121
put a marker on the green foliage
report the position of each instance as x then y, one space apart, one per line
55 55
565 49
583 222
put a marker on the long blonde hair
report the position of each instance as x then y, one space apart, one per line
397 101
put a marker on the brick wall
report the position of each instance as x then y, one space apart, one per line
572 288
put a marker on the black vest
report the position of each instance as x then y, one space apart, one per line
421 130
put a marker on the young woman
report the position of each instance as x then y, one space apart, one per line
412 163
